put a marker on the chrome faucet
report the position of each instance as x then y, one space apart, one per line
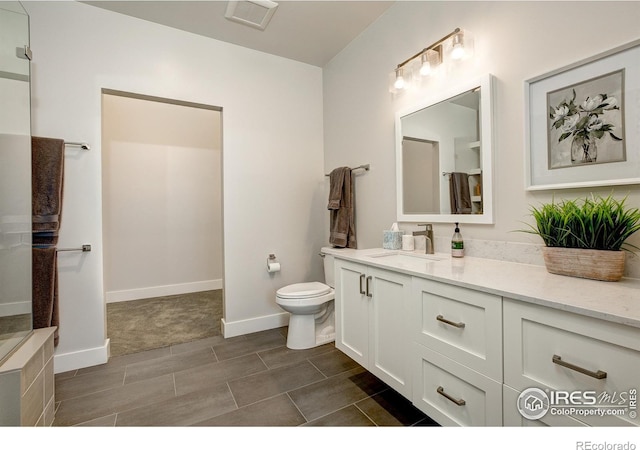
428 234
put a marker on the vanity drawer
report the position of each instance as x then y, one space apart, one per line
464 324
562 351
452 394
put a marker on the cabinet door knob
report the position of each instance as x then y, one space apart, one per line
369 293
441 318
459 402
361 288
599 374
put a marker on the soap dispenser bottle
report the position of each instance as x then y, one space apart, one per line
457 244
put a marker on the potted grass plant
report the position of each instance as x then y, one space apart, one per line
586 238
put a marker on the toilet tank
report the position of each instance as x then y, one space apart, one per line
329 275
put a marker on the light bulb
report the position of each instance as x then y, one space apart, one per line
457 52
425 68
399 83
458 47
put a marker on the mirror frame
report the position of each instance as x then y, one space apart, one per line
485 83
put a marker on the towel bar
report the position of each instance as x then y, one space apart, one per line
364 166
84 248
82 145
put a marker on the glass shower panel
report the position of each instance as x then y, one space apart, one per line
15 178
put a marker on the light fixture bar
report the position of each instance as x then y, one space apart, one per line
431 47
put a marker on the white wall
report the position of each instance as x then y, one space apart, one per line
514 41
273 187
161 198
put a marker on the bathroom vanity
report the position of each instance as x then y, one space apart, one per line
462 338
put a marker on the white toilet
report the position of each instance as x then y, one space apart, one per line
311 306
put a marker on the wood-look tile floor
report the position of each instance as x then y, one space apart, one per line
250 380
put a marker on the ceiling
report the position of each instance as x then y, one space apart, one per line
308 31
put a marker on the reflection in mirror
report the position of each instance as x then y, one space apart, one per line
443 157
15 178
420 166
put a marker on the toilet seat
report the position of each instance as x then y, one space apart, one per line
306 298
303 290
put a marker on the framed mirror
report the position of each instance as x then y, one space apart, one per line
444 157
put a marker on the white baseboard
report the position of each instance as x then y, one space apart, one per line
162 291
84 358
240 327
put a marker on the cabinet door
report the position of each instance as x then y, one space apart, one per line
389 324
352 311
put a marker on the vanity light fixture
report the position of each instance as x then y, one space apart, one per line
428 59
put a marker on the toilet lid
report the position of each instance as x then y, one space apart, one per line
303 290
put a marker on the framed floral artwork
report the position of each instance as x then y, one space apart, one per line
579 124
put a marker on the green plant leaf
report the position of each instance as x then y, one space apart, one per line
595 223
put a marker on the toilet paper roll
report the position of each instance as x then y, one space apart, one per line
408 243
273 267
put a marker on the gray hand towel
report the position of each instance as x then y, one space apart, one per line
342 232
337 187
459 193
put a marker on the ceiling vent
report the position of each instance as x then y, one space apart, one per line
256 13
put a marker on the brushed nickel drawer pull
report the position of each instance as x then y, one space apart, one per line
361 280
369 293
448 322
599 375
459 402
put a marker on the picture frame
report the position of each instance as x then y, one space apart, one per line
579 124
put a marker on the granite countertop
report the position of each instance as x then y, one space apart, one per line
612 301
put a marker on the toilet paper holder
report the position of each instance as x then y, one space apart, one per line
272 263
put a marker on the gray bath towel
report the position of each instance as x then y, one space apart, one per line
342 231
47 178
459 193
45 289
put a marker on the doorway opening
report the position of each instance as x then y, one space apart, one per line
162 220
420 166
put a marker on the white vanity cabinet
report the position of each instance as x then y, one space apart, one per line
561 351
457 354
371 321
464 345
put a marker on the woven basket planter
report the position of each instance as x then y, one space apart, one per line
604 265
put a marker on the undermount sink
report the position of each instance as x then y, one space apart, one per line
399 257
